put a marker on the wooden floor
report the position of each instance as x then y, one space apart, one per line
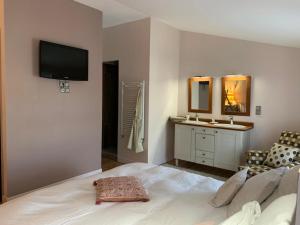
204 169
110 163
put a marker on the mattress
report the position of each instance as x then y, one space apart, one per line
176 198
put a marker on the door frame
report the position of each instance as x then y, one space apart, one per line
117 62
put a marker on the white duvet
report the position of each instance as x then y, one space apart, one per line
176 198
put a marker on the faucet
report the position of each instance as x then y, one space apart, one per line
197 117
231 120
187 117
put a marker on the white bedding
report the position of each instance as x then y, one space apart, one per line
177 198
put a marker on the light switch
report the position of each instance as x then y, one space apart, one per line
258 110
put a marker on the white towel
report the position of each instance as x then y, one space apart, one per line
247 216
136 138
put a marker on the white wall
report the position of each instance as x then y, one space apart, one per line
163 90
130 44
275 86
148 50
50 136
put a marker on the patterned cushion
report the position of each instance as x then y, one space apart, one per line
120 189
290 138
293 164
281 155
257 169
256 157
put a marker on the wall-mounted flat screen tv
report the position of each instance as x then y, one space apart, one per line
63 62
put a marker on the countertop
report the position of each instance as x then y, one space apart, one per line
248 125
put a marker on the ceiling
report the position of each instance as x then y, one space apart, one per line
267 21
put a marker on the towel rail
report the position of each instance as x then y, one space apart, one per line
128 104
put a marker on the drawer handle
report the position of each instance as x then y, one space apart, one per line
203 154
203 161
203 137
203 130
216 132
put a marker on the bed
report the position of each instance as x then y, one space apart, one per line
177 198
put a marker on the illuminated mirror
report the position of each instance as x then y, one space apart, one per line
200 94
236 95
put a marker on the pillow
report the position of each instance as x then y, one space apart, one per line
280 212
288 185
247 216
120 189
228 190
256 157
281 155
257 188
289 182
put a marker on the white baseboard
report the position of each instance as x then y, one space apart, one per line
56 183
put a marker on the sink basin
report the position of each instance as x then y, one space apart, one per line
195 122
234 126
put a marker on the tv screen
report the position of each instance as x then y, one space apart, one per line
63 62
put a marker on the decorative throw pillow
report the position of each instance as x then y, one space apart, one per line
257 188
228 190
288 185
120 189
256 157
247 216
281 155
280 211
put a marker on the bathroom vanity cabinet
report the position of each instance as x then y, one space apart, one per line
216 147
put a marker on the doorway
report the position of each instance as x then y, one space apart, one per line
110 109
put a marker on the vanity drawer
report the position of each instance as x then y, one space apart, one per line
204 161
203 154
205 130
205 142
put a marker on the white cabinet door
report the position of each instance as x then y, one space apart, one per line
183 139
225 150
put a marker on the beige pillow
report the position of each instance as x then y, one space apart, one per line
281 211
257 188
120 189
228 190
288 185
289 182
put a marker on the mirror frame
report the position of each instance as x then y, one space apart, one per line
247 78
198 79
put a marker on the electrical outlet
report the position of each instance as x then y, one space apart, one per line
64 86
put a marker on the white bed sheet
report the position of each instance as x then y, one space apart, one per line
177 198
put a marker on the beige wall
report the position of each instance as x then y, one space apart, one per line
276 77
148 50
129 44
50 136
2 101
163 90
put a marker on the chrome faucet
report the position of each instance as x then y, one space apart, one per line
197 117
231 120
